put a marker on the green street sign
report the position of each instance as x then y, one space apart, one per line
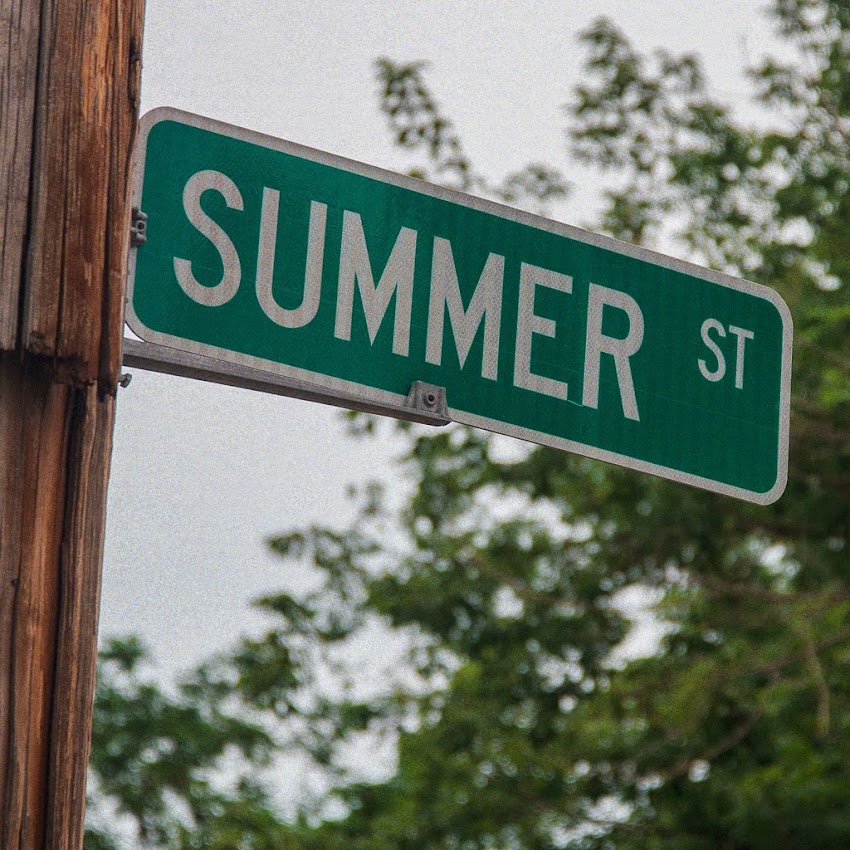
267 254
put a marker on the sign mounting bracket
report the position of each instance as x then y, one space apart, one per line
171 361
428 399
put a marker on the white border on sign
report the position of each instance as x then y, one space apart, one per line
165 113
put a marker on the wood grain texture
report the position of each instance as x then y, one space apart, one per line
91 426
86 107
19 31
77 67
33 440
129 28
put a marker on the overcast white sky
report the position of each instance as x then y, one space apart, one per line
203 474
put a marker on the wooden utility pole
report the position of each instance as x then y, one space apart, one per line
69 89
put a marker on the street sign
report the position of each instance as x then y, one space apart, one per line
299 263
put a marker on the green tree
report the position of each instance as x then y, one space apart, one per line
517 719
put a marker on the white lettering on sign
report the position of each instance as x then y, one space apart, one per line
486 304
743 336
484 307
719 371
354 264
222 292
621 350
529 323
306 312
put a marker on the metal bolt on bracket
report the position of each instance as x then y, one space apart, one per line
429 399
138 228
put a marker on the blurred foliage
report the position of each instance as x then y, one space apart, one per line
418 125
497 604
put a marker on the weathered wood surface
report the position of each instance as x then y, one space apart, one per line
19 51
68 117
89 451
33 442
87 101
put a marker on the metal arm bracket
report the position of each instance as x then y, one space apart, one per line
425 404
